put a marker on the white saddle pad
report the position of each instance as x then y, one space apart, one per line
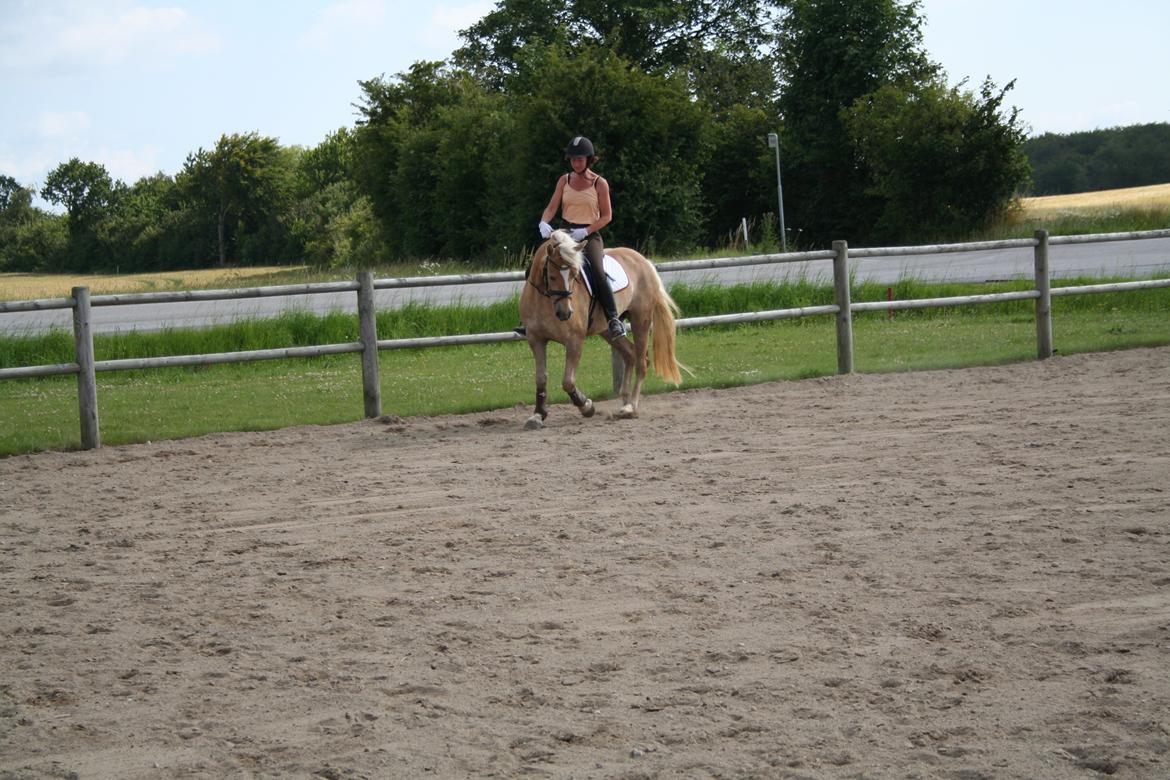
618 280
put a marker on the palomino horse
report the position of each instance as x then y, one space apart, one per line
547 310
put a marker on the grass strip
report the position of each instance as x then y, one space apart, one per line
303 328
174 403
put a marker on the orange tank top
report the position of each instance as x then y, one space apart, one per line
580 206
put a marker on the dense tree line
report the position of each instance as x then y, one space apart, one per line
457 158
1100 159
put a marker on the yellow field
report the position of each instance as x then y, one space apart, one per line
21 287
1153 196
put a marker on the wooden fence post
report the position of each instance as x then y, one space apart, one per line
1044 302
368 328
844 315
91 436
618 365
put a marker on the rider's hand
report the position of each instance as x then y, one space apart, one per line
545 229
579 234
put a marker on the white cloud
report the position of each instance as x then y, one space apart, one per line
28 166
62 124
340 22
31 166
459 17
129 165
447 20
136 32
426 30
73 37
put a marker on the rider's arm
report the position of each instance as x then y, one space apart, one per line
554 203
605 210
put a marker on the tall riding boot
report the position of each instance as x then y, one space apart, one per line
602 291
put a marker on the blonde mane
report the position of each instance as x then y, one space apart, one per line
563 244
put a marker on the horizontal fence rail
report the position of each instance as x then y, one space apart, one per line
938 303
1112 287
86 367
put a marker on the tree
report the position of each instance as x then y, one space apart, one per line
455 169
86 190
393 152
833 52
1100 159
143 226
30 239
14 199
245 182
738 172
329 162
654 35
83 188
941 161
331 221
649 132
722 81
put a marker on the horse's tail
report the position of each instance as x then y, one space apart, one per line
666 365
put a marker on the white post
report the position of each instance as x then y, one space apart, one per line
91 437
774 142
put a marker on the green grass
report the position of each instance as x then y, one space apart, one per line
158 404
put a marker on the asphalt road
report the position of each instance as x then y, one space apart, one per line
1137 259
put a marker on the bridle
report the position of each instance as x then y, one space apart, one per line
548 292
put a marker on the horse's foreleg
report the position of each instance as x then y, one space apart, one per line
569 383
540 356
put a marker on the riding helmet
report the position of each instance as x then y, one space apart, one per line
580 146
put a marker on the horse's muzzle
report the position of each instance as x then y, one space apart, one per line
564 314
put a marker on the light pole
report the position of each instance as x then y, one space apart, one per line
774 143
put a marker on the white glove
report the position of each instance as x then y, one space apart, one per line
579 234
545 229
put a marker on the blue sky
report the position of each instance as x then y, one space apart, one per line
137 85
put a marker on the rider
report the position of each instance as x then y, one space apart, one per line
583 199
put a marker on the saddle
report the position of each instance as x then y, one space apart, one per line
618 279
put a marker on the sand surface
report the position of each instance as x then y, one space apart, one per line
953 574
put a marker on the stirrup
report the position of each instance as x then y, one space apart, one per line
616 329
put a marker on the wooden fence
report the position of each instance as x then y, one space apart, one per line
86 367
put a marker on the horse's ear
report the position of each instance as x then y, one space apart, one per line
581 246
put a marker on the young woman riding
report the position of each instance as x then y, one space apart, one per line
582 197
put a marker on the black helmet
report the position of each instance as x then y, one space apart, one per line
580 146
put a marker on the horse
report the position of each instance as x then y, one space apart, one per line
555 280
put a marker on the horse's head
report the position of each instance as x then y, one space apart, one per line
562 263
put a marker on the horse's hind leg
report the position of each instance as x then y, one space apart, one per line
569 383
636 364
628 351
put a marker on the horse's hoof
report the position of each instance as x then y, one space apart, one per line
534 423
627 412
588 409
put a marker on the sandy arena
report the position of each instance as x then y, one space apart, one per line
952 574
